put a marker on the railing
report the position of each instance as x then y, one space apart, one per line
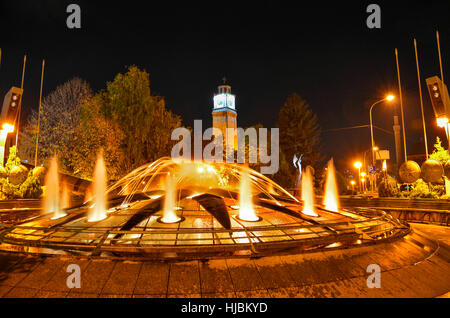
375 226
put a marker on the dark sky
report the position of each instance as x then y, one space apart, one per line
267 50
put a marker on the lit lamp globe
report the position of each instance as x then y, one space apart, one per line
409 171
432 171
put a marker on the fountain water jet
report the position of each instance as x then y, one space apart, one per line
169 215
331 197
308 192
97 211
65 199
246 210
52 197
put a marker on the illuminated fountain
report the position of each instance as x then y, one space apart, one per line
97 210
171 207
246 211
331 196
308 192
65 198
169 214
52 202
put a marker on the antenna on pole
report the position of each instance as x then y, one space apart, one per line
39 114
440 58
421 100
20 105
401 104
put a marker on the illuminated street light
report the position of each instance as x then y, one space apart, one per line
8 128
388 98
352 182
442 121
358 165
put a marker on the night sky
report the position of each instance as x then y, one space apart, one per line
267 50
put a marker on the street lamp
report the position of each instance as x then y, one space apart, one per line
363 179
358 165
387 98
353 185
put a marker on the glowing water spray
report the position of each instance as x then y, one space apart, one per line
246 210
308 192
97 211
52 198
169 215
331 198
65 198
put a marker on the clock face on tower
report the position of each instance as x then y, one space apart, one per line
224 100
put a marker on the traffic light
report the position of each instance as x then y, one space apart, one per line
439 99
11 106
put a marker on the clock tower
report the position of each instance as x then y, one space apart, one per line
224 115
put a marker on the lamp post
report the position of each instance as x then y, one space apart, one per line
363 179
387 98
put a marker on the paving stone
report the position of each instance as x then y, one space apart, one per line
419 281
58 283
345 263
187 296
94 276
51 294
184 278
21 292
123 278
81 295
219 295
334 289
4 290
391 287
244 275
150 296
115 296
42 273
274 272
153 279
262 293
290 292
19 271
301 269
215 277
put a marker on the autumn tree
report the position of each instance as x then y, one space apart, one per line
299 134
59 122
73 127
144 119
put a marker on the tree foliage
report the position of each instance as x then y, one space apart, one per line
59 123
440 153
73 128
144 119
299 134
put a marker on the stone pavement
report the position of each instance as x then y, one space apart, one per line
410 267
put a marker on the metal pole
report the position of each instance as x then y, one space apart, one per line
421 100
442 79
20 105
401 104
39 114
440 58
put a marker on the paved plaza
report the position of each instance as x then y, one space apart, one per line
414 266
